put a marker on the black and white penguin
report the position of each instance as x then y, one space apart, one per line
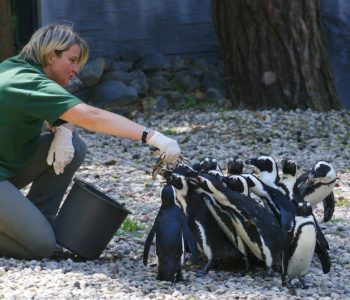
234 166
221 215
209 236
298 251
299 246
279 204
317 186
208 165
169 230
268 171
289 176
255 225
237 183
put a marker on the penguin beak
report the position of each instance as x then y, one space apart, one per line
167 174
309 180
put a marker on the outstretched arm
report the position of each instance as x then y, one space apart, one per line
103 121
99 120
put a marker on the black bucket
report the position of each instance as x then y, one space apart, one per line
87 220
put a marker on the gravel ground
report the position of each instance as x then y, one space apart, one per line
122 169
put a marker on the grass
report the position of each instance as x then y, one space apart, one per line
336 220
131 226
169 131
341 202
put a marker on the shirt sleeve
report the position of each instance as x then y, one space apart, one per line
48 102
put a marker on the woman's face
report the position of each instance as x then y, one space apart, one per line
63 68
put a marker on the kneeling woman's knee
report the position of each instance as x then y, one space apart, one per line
44 245
80 148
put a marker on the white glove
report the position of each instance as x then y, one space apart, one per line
61 151
166 146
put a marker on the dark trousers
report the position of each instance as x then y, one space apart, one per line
25 221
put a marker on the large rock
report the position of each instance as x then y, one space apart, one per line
91 74
153 61
112 94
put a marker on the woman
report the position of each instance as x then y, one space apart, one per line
31 93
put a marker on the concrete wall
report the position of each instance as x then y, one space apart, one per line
181 27
336 19
167 26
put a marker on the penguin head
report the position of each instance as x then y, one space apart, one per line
289 167
176 180
168 195
303 209
210 183
234 166
322 172
185 170
209 164
237 183
263 163
251 180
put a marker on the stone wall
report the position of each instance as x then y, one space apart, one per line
145 81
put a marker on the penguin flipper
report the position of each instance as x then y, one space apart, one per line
302 178
322 248
285 254
324 258
328 205
188 236
148 243
320 238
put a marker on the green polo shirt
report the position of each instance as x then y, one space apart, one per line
27 99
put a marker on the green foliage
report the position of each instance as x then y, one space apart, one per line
341 202
180 87
131 226
336 220
190 102
169 131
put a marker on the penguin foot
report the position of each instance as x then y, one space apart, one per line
303 284
206 268
269 272
179 277
265 273
298 283
240 273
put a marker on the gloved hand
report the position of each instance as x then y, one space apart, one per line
166 146
61 151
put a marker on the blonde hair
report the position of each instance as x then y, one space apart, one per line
53 38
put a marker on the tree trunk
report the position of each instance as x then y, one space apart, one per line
6 34
274 54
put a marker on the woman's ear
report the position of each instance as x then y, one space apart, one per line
50 58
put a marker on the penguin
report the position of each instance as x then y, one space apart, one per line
221 216
234 166
305 239
255 225
297 252
224 219
208 165
289 176
210 238
169 230
317 185
268 169
299 246
279 204
237 183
